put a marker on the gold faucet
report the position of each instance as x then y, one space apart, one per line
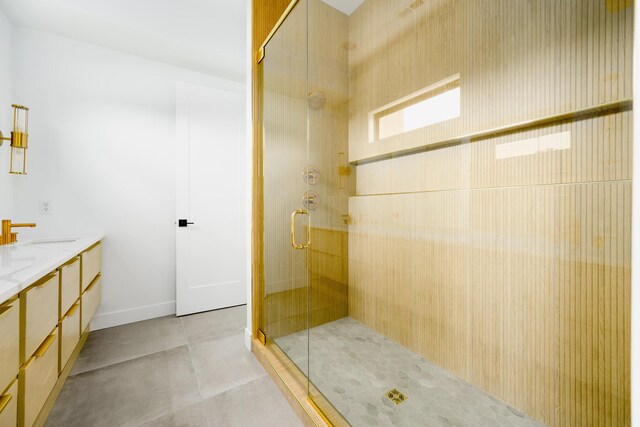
8 236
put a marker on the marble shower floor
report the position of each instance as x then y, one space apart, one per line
354 367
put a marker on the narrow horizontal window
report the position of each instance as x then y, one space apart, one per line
434 104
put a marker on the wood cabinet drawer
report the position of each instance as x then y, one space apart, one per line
69 334
91 264
9 406
39 312
90 302
9 342
69 284
37 378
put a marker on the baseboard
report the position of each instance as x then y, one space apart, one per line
132 315
247 338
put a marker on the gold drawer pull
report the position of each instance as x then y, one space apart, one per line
69 263
86 251
72 310
5 309
40 283
4 401
96 280
42 350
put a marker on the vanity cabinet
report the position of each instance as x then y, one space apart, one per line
10 348
9 405
91 264
90 301
42 330
37 378
69 289
70 333
39 310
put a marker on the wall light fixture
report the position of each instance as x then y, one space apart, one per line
19 136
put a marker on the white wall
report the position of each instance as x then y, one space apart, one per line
6 99
102 147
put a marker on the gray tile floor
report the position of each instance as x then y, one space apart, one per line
354 367
190 371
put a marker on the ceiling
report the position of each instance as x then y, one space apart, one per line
208 36
344 6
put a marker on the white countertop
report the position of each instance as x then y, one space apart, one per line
23 263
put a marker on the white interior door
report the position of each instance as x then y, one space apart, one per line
210 253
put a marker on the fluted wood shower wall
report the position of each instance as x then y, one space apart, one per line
513 272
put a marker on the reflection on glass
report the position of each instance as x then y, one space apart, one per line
526 147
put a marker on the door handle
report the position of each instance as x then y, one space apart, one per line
293 229
184 222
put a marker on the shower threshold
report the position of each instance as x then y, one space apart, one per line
355 368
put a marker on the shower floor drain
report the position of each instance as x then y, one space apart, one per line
396 396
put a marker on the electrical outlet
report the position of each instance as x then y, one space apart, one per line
45 207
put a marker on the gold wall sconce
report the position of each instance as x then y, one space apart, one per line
19 136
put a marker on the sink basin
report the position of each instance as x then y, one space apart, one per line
41 242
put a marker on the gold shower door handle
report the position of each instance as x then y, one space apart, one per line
293 229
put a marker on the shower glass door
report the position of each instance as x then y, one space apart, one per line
328 117
287 179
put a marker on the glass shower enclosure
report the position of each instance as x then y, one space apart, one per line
447 209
